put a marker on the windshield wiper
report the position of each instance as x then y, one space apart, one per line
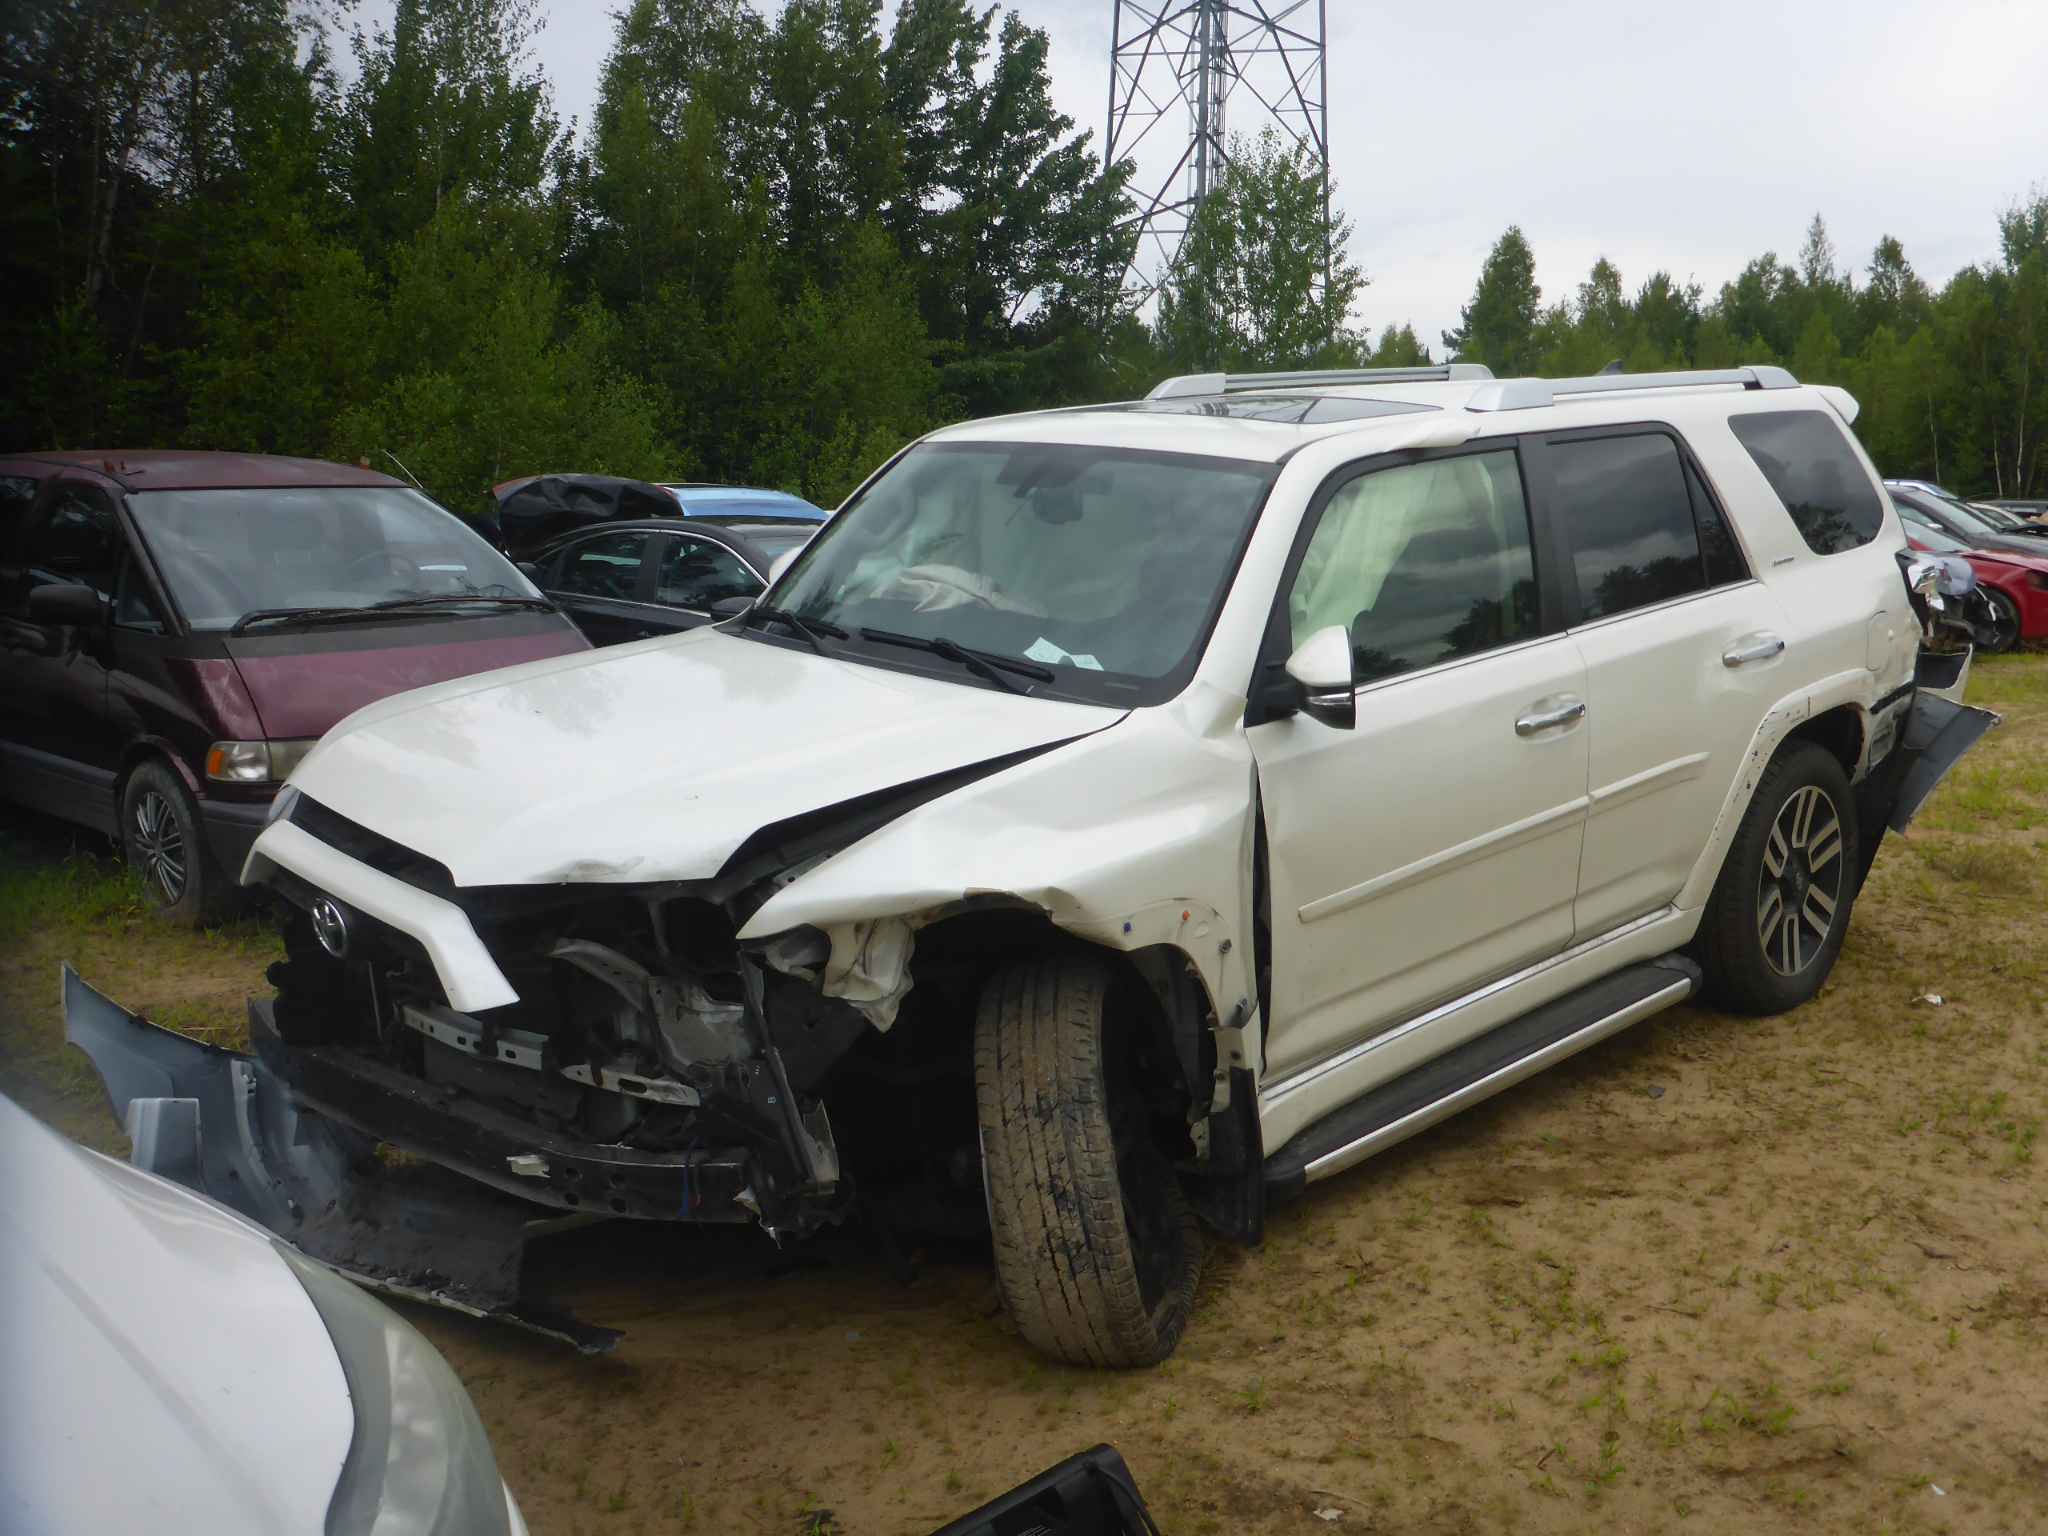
807 630
257 616
989 664
443 599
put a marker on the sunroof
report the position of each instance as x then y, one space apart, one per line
1295 410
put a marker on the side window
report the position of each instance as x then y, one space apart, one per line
606 566
1421 563
1719 550
134 608
695 573
78 540
1629 515
1818 477
17 494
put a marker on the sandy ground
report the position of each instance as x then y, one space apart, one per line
1715 1275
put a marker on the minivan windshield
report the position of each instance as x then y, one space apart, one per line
228 554
1060 568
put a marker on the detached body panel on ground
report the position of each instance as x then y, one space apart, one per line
1116 815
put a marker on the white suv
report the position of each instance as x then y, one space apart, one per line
1123 816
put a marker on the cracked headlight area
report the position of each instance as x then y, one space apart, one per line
419 1461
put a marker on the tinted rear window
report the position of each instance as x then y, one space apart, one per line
1634 541
1816 475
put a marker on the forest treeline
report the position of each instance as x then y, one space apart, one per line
778 249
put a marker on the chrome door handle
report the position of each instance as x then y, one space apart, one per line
1560 712
1749 648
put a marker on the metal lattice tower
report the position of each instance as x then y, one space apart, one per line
1182 75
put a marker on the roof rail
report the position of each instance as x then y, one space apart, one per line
1532 394
1315 378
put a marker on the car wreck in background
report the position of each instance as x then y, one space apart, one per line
1114 819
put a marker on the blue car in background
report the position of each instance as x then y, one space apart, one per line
741 501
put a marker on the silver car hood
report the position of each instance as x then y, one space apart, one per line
654 761
161 1368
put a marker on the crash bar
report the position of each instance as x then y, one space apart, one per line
1532 394
1316 378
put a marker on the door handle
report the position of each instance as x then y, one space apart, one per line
1757 647
1550 714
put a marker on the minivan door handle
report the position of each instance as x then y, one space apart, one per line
1549 714
1752 648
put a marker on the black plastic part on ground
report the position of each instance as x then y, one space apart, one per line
1090 1494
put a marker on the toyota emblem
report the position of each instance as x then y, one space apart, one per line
330 927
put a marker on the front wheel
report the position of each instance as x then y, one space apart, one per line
1097 1249
165 845
1780 908
2006 624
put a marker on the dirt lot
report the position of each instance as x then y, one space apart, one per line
1716 1275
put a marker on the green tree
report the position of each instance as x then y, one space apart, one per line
1248 288
1499 326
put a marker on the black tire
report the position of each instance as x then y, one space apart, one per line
1097 1249
2008 634
1802 819
166 846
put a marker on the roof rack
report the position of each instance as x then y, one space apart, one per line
1532 394
1315 378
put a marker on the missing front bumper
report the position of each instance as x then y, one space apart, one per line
300 1157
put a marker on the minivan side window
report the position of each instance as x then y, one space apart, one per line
77 540
1629 513
1422 563
1822 483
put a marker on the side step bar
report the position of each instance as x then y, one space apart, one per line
1477 1070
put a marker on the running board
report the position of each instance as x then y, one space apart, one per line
1477 1070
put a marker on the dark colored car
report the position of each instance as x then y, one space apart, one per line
653 576
1920 507
177 629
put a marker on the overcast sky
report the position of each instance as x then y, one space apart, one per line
1660 134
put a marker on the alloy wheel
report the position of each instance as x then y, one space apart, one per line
1799 889
160 845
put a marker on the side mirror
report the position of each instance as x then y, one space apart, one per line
731 607
66 603
1322 666
527 569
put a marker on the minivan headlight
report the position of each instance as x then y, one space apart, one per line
255 762
420 1460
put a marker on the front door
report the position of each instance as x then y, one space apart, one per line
53 723
1435 847
604 583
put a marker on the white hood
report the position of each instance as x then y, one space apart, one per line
653 761
161 1369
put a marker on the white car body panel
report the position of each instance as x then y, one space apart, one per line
619 778
236 1419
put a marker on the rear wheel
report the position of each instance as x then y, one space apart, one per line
165 845
1097 1249
1780 908
2006 633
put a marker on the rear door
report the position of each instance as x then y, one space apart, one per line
1435 847
604 582
1685 651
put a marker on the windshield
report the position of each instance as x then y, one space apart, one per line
1930 537
226 553
1105 566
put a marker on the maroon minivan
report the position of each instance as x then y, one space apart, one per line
177 629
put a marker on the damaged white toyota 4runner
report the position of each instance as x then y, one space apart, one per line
1114 819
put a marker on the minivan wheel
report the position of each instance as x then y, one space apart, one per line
1097 1249
1780 908
161 836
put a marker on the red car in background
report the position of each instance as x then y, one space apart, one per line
178 629
2016 584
